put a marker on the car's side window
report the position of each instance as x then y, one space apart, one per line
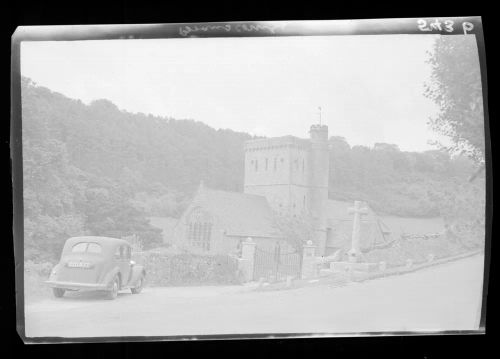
117 253
122 252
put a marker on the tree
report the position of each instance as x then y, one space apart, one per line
339 144
386 147
109 213
455 86
296 230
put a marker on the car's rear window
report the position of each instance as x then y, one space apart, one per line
94 248
86 247
79 247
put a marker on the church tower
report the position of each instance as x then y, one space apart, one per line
278 169
292 173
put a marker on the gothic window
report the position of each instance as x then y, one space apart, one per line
296 164
304 202
199 229
266 164
303 165
256 165
275 163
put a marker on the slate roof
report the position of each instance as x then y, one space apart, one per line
240 214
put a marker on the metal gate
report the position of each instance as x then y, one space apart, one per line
276 264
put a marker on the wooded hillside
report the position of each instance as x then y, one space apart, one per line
94 169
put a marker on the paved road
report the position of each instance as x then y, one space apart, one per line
444 297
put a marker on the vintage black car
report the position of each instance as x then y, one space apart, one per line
96 263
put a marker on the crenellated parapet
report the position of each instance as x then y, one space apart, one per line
277 143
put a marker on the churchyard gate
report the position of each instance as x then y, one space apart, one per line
277 263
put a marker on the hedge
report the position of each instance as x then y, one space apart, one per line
188 269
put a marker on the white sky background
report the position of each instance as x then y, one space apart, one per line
369 87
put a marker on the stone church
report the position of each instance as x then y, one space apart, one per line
284 176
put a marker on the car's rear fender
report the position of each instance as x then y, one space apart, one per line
137 272
108 278
55 270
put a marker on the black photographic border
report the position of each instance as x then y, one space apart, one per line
224 29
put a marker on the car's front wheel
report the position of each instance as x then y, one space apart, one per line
140 284
115 286
58 292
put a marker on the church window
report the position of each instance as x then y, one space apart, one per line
256 165
303 165
266 163
296 164
304 202
275 163
199 229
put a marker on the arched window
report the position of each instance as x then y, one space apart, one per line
266 164
199 228
256 165
275 163
303 165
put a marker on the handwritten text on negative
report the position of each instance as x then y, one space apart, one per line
193 29
444 26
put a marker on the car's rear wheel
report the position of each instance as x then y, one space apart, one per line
140 284
115 286
58 292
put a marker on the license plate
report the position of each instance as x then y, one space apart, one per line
78 265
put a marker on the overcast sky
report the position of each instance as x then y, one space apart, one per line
369 87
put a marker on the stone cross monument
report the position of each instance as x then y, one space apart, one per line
354 253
